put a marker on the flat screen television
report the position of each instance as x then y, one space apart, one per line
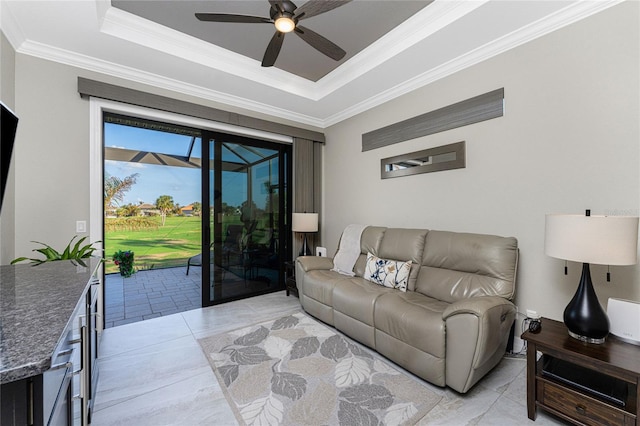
8 126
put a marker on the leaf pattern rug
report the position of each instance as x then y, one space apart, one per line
297 371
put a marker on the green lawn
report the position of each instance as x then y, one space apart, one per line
167 246
164 246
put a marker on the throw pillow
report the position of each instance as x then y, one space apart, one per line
388 273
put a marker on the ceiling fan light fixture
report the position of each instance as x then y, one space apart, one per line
285 24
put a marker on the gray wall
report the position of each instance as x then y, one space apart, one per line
7 95
569 140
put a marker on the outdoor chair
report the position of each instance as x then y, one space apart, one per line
231 246
197 259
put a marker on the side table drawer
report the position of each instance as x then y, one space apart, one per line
580 407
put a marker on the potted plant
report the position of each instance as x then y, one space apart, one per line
75 253
124 260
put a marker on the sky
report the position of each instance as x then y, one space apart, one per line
183 184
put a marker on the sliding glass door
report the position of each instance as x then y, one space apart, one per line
245 229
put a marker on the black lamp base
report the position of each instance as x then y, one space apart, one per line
305 250
584 317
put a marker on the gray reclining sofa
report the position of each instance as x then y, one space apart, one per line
452 324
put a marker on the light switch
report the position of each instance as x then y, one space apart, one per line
81 226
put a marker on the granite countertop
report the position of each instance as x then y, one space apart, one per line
36 304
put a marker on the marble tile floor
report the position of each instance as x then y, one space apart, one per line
154 373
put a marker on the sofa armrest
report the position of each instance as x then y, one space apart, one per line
477 331
310 263
478 306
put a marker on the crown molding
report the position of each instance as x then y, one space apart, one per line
566 16
10 27
74 59
423 24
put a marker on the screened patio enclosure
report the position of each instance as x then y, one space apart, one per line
245 230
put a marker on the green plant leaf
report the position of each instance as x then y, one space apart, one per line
66 254
49 252
69 253
77 246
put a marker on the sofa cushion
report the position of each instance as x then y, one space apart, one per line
456 266
412 318
404 244
319 284
369 242
354 302
356 298
387 273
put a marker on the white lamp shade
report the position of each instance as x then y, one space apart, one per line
304 222
603 240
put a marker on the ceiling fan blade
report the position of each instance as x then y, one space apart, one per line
320 43
316 7
224 17
273 49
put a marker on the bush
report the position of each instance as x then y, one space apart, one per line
130 224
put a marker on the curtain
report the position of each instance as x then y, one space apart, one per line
307 188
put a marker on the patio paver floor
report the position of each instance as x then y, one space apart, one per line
150 294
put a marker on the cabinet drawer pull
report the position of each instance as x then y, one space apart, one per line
581 409
61 365
65 352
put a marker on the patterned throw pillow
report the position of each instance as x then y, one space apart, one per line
389 273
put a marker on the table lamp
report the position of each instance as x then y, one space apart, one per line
303 223
604 240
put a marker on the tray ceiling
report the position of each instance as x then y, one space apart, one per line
392 47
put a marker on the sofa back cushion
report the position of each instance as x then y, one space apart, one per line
404 244
456 266
369 243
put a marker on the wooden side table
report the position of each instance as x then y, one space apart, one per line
290 278
567 380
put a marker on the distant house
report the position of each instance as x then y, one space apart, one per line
110 211
147 209
187 210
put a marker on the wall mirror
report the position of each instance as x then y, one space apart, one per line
445 157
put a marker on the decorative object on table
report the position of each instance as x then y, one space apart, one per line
304 223
604 240
75 253
624 320
124 260
296 370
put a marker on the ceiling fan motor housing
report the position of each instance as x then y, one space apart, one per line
286 12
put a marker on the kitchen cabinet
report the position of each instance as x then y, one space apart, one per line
50 342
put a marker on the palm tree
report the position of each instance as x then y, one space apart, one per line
165 204
115 188
128 210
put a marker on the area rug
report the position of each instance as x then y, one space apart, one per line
296 371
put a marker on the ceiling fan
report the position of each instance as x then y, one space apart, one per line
284 14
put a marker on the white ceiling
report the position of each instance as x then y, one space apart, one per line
437 40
